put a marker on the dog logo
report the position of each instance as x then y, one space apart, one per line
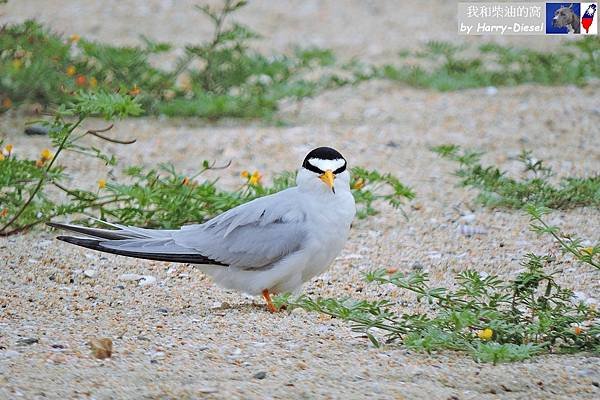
588 20
562 18
572 18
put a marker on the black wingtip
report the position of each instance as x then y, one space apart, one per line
76 240
95 244
55 225
108 234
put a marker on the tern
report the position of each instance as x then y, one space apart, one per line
272 244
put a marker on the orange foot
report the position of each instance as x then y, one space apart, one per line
270 306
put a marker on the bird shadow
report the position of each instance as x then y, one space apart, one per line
241 307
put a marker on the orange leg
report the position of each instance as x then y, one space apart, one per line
270 306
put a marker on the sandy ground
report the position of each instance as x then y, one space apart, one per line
181 337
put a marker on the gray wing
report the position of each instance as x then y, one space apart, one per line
251 236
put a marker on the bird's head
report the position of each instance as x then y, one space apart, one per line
324 169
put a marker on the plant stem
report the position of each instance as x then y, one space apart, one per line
216 38
565 245
43 178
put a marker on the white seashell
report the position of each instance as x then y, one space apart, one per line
470 230
146 280
130 277
491 90
90 273
467 219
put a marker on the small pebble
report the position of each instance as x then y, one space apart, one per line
298 311
417 266
260 375
37 130
206 390
468 218
90 273
27 341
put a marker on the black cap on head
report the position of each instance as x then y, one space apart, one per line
311 161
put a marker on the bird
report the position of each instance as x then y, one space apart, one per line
272 244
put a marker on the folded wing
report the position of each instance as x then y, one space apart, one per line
254 235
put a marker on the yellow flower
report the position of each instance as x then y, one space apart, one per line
74 38
255 178
46 155
244 174
4 212
93 82
101 183
577 330
71 70
359 184
485 334
6 151
588 250
17 63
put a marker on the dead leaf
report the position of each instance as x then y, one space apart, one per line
101 348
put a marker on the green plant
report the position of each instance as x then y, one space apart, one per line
568 243
370 186
228 79
37 65
497 189
443 66
231 80
159 197
490 318
237 82
24 201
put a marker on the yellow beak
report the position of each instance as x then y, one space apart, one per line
328 178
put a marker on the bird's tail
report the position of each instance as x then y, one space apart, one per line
149 244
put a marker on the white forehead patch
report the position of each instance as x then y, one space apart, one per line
324 165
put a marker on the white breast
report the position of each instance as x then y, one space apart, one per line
328 223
